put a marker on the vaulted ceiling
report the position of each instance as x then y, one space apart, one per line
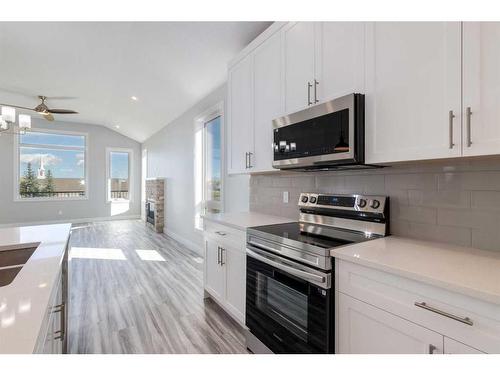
96 68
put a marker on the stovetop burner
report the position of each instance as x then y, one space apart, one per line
293 231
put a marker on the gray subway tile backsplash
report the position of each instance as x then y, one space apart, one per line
454 202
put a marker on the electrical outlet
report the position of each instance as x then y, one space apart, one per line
285 197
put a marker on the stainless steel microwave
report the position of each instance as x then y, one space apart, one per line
330 135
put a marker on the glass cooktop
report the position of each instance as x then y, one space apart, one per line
292 231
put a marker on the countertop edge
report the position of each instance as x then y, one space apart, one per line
473 293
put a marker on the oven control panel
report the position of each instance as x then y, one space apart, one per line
352 202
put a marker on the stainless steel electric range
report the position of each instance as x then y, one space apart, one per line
289 294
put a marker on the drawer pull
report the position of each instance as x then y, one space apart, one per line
423 305
220 233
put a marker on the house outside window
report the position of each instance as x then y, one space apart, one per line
51 166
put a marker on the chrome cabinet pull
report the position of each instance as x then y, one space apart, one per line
468 115
425 306
220 233
218 255
451 116
309 93
222 251
432 348
250 160
315 91
246 160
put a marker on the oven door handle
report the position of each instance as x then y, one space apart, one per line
316 279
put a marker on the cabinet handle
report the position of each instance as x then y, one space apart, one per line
250 160
425 306
218 254
451 116
222 251
432 348
468 115
309 93
220 233
246 160
315 91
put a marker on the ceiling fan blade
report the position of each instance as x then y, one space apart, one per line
17 106
48 117
62 111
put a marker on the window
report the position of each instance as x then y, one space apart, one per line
119 174
51 166
208 159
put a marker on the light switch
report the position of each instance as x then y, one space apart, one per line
285 197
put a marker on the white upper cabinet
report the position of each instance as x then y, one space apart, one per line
268 99
339 59
241 115
298 51
481 88
413 91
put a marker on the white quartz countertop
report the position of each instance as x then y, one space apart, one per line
23 303
468 271
244 220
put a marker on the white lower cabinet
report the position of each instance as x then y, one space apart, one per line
455 347
364 329
380 312
225 272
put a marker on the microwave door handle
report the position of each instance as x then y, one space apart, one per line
292 271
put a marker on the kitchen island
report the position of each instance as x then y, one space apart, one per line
33 298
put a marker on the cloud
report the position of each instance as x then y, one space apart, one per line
48 159
80 159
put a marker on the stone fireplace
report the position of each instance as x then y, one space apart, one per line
155 200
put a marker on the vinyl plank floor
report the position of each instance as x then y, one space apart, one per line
124 300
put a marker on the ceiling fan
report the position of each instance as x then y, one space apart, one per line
45 111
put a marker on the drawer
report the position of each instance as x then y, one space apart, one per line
225 235
398 295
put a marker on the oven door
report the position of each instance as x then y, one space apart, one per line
326 134
289 306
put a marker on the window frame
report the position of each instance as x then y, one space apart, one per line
131 179
17 156
200 124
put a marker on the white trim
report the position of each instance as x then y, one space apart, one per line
189 244
217 110
73 221
131 173
17 197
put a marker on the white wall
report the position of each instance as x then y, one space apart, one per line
99 137
171 155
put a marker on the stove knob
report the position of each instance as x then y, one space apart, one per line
362 203
312 200
304 199
375 204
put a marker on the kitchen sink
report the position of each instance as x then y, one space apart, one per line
12 261
14 257
7 275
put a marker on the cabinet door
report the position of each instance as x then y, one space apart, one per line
413 81
481 88
340 48
214 273
455 347
235 264
268 99
298 46
364 329
241 111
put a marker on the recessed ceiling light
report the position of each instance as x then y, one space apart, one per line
134 98
117 126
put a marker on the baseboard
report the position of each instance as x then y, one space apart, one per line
72 221
189 244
